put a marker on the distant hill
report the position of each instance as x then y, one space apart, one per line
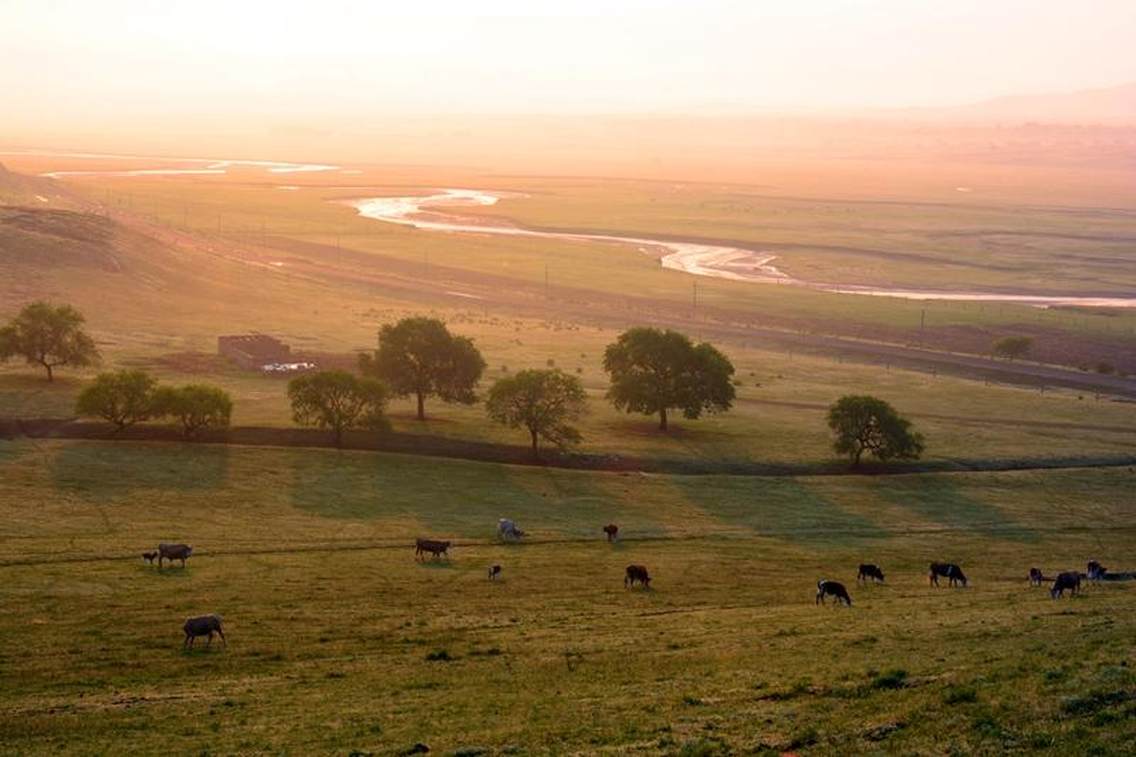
18 189
1114 106
43 238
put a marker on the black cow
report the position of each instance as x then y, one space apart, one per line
637 573
1035 577
1095 570
150 557
946 570
435 548
1070 580
494 571
612 531
202 625
867 570
836 589
173 552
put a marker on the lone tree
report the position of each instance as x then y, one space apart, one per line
337 400
1013 347
50 336
867 424
542 401
120 397
653 370
195 406
420 356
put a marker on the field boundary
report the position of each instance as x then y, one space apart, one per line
427 445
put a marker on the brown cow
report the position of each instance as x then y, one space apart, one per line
1070 580
867 570
173 552
202 625
637 573
435 548
612 531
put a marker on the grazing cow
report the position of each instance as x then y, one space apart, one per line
202 625
1070 580
435 548
1095 570
150 557
946 570
507 530
173 552
637 573
494 571
834 589
867 570
612 531
1035 577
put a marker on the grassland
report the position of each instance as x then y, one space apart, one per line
983 246
339 641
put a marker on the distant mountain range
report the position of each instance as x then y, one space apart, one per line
1109 106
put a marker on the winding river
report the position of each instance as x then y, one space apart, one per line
717 261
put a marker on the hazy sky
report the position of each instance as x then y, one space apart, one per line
101 60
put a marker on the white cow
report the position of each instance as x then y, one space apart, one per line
507 530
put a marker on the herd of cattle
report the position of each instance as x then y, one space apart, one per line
507 531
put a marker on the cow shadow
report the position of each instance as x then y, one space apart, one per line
941 500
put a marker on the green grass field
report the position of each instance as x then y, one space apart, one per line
339 641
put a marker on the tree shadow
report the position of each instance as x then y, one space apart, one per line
103 471
783 508
941 500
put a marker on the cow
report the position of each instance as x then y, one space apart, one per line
435 548
494 571
1070 580
867 570
202 625
1095 571
173 552
612 531
150 557
507 530
946 570
1035 577
636 573
834 589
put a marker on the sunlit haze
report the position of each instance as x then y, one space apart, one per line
271 68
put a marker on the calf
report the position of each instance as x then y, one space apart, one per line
946 570
1035 577
435 548
612 531
637 573
1095 570
867 570
150 557
202 625
173 552
834 589
1070 580
494 571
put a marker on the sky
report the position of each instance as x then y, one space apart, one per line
123 58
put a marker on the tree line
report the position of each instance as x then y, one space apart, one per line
652 371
